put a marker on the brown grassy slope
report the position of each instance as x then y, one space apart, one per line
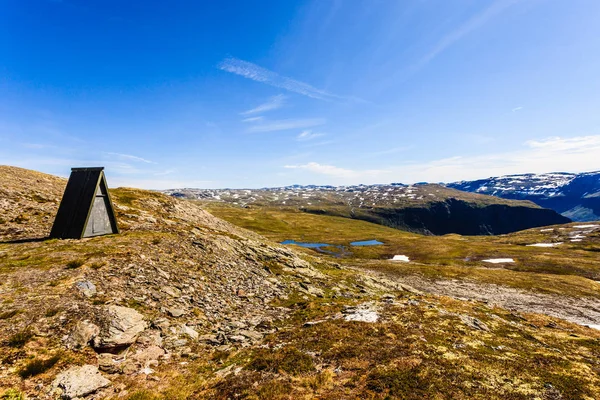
170 255
173 254
28 202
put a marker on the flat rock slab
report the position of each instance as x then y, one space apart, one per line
87 288
121 328
80 381
83 333
365 312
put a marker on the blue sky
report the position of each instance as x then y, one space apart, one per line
269 93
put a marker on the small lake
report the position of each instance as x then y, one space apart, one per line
318 245
341 249
304 244
366 243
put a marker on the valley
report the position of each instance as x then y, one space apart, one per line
200 300
453 264
422 208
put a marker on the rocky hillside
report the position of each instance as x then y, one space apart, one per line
576 196
182 305
175 279
423 208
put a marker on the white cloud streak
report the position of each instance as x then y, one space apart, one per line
130 157
253 119
274 103
285 124
554 154
471 25
256 73
308 135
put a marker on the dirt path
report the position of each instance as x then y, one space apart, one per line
583 310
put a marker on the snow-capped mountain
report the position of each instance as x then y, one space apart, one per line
576 196
423 208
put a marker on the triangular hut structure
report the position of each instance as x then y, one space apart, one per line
86 209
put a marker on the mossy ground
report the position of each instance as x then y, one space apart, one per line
420 348
571 268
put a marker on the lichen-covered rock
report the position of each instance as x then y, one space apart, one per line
83 333
108 363
79 381
87 288
121 327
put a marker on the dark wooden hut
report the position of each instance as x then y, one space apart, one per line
86 209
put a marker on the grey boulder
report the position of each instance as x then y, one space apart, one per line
80 381
120 328
83 333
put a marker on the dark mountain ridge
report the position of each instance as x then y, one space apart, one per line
576 196
423 208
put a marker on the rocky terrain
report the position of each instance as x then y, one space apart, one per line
423 208
182 304
576 196
177 277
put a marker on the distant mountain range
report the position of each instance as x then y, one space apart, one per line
424 208
576 196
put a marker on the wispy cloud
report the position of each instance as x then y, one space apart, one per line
308 135
556 144
129 157
253 119
553 154
517 109
285 124
472 24
259 74
334 171
274 103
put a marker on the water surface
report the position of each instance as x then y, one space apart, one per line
366 243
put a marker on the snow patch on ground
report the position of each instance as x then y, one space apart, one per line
585 226
544 244
546 230
594 327
400 257
499 260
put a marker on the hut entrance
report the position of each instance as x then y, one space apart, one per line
99 219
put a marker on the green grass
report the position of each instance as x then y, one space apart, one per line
75 263
415 352
288 359
20 339
13 394
9 314
38 366
569 269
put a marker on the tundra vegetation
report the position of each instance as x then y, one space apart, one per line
207 308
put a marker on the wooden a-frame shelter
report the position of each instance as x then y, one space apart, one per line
86 208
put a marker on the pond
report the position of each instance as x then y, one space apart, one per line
304 244
366 243
341 249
